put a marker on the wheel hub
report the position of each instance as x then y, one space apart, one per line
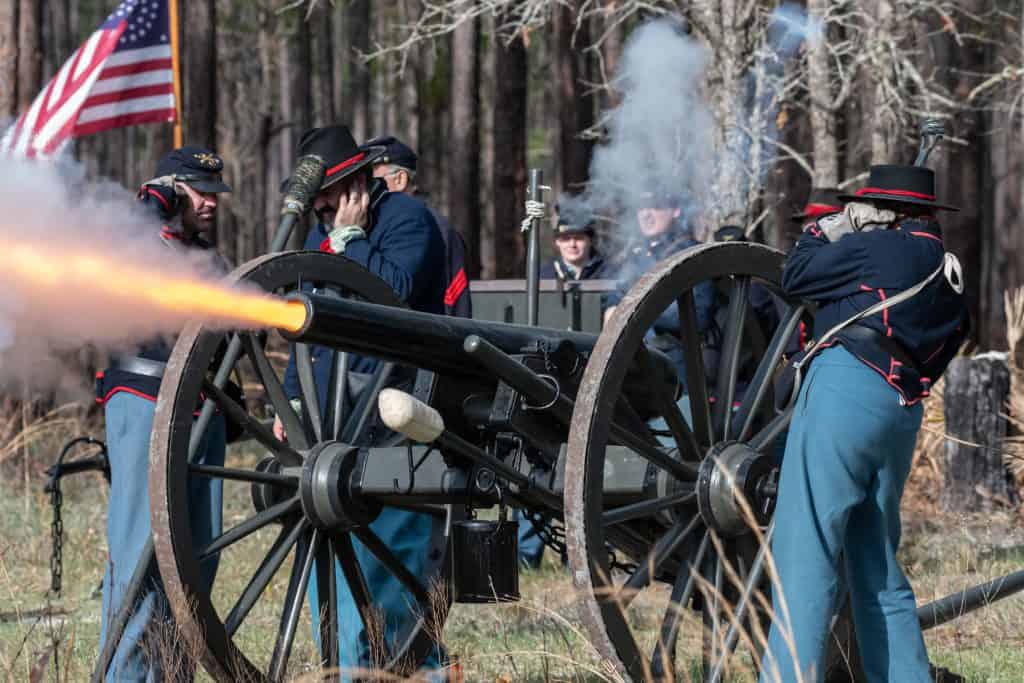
324 491
729 488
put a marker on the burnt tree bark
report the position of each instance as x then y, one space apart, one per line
464 160
976 478
8 59
323 73
509 167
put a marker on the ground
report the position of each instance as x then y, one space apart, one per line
538 639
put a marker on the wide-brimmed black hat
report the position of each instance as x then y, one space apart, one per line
821 202
198 167
336 146
904 184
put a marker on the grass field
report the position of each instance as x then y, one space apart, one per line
538 639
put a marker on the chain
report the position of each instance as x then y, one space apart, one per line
57 536
551 533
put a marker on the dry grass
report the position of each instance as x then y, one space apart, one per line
537 639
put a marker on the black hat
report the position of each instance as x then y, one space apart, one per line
564 227
730 233
197 167
821 202
336 146
395 152
904 184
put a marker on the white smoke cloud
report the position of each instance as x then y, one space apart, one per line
72 256
661 137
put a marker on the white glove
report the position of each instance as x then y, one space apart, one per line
339 237
868 217
296 406
835 225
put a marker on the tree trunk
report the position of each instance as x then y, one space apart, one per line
303 74
884 129
30 52
976 478
8 59
355 97
464 151
823 119
575 106
323 70
200 73
509 169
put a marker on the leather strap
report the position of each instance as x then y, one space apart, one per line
891 346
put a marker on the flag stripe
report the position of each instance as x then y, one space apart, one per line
105 111
112 85
158 115
126 94
138 67
85 59
142 54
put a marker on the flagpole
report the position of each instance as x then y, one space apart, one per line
176 68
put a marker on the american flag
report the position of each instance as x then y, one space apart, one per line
122 76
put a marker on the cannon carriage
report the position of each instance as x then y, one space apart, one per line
663 501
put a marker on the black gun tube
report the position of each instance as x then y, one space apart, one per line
434 342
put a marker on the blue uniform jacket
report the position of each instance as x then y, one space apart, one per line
594 269
405 249
664 334
862 268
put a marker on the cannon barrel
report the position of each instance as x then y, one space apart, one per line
429 341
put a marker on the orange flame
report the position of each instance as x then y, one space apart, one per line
191 298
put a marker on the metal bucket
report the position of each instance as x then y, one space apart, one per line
485 561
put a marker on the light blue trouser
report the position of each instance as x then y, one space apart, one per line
406 534
531 547
129 421
847 458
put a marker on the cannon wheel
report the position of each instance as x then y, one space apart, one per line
700 544
298 547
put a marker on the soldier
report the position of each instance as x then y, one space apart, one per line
184 197
577 258
398 169
662 232
855 423
395 237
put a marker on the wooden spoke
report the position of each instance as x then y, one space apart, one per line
293 427
337 399
366 406
647 508
235 412
648 569
307 383
686 442
293 600
393 564
729 363
286 539
682 590
761 384
693 356
249 526
251 476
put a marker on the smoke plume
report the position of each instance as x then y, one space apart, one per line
670 135
82 265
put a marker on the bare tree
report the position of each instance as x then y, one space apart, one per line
464 151
509 167
8 58
30 52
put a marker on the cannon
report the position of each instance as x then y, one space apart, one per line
663 501
659 502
